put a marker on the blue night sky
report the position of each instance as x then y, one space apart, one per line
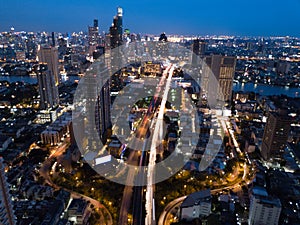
232 17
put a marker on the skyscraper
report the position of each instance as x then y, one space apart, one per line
49 55
95 23
53 39
120 23
275 134
97 92
223 68
103 115
47 88
6 209
48 81
116 40
199 49
93 34
116 29
114 36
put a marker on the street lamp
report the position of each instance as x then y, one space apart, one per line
129 221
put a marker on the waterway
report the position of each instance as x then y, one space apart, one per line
265 90
32 79
261 89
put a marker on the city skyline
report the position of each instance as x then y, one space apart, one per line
258 18
128 118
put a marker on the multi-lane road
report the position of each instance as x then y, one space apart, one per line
156 141
135 197
136 177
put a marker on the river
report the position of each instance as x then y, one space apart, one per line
32 79
265 90
262 89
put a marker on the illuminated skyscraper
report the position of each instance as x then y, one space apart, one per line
120 23
223 68
49 55
103 101
53 39
6 209
198 48
116 37
103 115
48 80
95 23
275 134
47 89
93 34
116 29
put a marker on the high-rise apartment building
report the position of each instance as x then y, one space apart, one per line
275 134
49 55
222 68
47 89
48 77
97 92
6 208
264 210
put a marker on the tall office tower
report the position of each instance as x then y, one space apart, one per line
116 37
107 50
120 23
96 24
199 49
48 90
6 208
49 55
223 68
93 34
98 106
116 29
103 114
275 134
264 210
53 39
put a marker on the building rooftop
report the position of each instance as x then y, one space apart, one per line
196 198
268 201
260 191
79 205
